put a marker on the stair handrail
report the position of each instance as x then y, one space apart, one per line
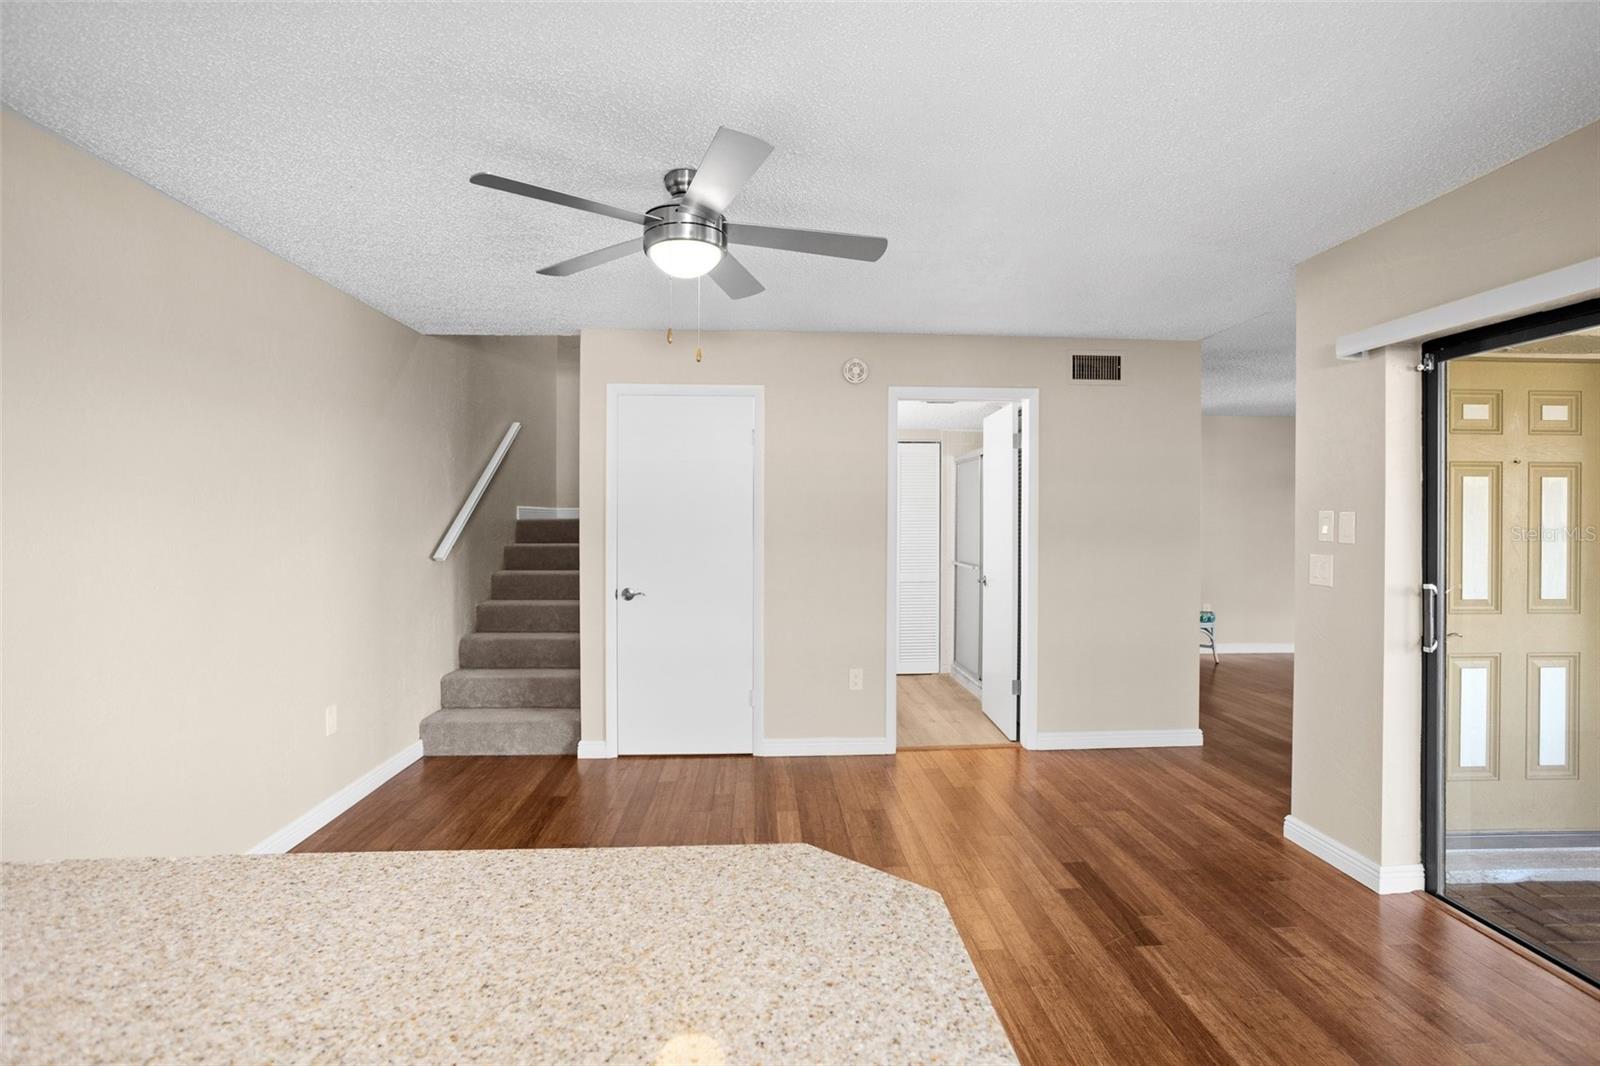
451 535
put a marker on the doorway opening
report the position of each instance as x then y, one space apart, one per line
1512 629
961 593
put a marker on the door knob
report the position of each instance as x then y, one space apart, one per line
983 579
629 594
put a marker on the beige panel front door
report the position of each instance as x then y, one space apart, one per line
1522 604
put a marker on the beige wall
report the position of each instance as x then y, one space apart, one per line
504 380
221 480
953 444
1248 527
1119 471
566 414
1356 707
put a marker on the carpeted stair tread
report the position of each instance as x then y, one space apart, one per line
507 687
547 531
527 616
500 650
539 557
501 731
533 585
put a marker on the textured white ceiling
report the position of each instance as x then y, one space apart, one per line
1248 369
1130 170
963 415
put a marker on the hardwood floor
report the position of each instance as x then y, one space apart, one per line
1121 906
935 711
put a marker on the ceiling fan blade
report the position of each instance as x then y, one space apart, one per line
729 162
593 259
732 278
810 241
495 181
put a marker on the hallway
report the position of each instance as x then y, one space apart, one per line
935 711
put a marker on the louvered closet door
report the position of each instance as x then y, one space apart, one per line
917 558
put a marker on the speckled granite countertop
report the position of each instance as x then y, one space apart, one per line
766 953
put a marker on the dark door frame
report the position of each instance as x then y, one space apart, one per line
1435 425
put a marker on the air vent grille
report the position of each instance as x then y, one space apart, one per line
1097 368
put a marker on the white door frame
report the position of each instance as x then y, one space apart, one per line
1028 579
758 392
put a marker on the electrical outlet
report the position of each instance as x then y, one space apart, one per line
855 679
1322 570
330 719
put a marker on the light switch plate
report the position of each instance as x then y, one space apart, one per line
1325 526
1322 570
1347 527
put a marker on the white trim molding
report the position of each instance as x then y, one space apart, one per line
971 684
1250 649
336 804
547 512
1385 880
1550 289
791 746
596 749
1118 738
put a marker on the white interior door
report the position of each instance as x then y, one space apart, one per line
685 574
917 557
999 550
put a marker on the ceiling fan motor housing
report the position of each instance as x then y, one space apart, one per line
681 222
677 180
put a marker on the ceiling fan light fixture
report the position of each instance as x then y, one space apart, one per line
689 237
685 257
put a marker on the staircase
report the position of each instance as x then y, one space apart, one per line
516 692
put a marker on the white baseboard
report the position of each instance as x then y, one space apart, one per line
1118 738
1381 879
971 684
547 512
824 746
1250 649
338 803
599 749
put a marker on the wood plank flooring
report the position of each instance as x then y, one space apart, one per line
1121 906
935 711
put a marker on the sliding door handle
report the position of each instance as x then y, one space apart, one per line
1430 619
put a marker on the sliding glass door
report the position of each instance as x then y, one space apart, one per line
1513 641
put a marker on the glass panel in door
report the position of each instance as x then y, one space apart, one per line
1521 686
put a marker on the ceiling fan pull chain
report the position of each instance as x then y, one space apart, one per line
698 352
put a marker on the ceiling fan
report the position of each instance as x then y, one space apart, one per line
689 237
